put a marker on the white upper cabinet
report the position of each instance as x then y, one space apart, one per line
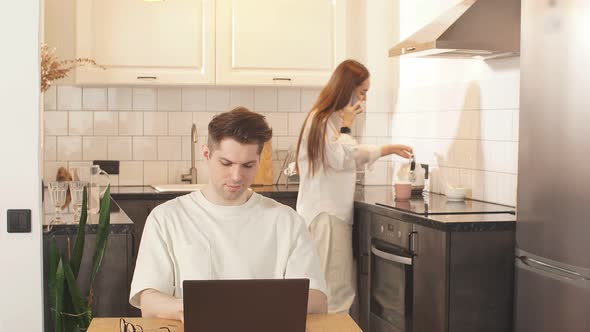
192 42
142 42
279 42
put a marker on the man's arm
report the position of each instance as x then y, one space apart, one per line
317 302
158 304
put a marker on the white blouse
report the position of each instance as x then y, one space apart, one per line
331 189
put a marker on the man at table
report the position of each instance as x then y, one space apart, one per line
224 231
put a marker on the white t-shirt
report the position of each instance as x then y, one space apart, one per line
331 189
190 238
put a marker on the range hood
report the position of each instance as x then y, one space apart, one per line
471 28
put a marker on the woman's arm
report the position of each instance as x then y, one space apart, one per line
398 149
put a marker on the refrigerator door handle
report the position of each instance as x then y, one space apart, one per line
573 275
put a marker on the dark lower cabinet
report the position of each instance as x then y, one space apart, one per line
111 286
462 281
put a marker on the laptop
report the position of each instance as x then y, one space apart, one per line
253 305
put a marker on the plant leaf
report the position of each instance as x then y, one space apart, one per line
80 237
102 233
57 290
81 312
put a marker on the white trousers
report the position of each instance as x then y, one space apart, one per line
332 238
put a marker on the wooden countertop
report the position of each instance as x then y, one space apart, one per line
315 323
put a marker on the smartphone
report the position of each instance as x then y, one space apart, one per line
353 100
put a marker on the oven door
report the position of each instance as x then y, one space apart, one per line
391 288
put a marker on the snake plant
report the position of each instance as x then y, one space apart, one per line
70 309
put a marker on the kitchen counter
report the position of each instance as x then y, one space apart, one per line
366 197
119 221
462 219
143 192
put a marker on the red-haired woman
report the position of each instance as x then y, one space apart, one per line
327 160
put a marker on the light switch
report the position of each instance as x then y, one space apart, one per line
19 221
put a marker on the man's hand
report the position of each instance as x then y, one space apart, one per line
157 304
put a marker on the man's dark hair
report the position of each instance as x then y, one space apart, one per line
241 125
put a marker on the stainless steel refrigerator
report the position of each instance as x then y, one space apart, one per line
553 210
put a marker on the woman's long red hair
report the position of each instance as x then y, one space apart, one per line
334 96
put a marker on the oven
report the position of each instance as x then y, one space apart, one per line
391 275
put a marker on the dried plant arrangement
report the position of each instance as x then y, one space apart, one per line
53 69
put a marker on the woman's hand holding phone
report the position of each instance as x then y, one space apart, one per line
349 113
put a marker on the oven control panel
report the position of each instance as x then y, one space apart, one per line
391 231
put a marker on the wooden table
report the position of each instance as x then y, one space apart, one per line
315 323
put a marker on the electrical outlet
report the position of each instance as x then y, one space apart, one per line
109 166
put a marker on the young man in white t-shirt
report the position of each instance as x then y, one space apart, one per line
225 231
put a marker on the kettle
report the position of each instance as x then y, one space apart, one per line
411 172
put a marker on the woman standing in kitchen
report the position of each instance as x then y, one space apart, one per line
327 160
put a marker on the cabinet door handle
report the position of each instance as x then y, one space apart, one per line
413 239
281 79
147 77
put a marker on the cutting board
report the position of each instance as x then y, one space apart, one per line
264 174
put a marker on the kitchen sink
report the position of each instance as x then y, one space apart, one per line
181 187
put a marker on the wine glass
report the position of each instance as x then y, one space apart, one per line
76 191
58 191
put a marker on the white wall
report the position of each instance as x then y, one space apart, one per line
20 254
460 115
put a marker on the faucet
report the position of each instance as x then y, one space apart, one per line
192 176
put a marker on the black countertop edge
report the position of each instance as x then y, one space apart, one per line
504 221
147 192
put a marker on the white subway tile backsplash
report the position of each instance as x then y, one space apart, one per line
202 172
478 187
50 99
169 99
156 123
176 169
194 99
131 173
69 98
515 124
265 99
120 99
155 172
94 148
496 125
218 99
308 99
179 124
286 142
131 123
279 122
56 123
50 170
295 122
94 99
169 148
119 148
81 123
50 148
378 175
145 99
376 124
106 123
491 187
69 148
145 148
202 119
289 100
186 147
242 97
